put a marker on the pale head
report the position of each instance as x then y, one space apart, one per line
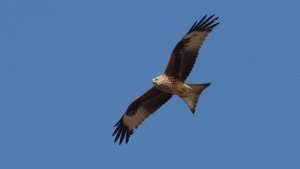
157 80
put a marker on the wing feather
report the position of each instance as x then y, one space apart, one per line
186 51
139 110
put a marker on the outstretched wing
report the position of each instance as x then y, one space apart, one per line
186 51
138 111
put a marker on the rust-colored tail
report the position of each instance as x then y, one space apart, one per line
192 99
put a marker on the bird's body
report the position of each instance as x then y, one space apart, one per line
167 84
188 92
172 85
171 82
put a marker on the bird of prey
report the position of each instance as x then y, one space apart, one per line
171 82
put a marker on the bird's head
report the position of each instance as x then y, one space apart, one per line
157 80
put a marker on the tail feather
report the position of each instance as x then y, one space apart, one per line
192 99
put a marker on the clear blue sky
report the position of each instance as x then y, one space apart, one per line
69 69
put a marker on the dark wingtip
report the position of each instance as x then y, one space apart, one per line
127 136
122 135
205 24
193 110
122 132
193 26
214 25
118 135
117 123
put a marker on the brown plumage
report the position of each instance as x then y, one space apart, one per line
171 82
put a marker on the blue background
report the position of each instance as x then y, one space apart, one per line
69 69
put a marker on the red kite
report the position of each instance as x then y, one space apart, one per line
171 82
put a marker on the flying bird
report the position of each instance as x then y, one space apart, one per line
171 82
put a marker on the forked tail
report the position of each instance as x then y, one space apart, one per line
192 99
